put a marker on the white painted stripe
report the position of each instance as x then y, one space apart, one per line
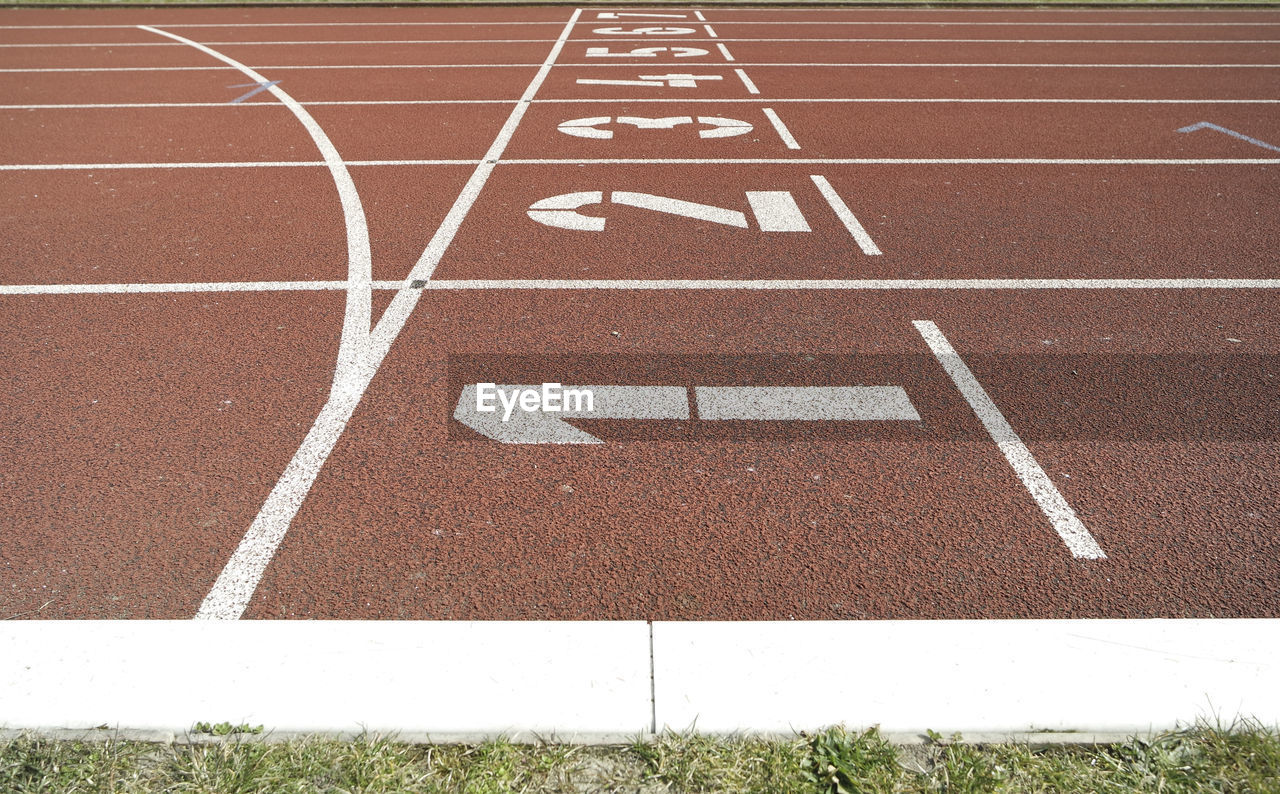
969 676
735 22
971 64
242 164
445 285
819 100
908 100
776 211
1055 508
698 15
783 132
356 319
238 579
953 41
337 42
281 68
804 403
276 25
710 31
846 216
746 81
653 161
234 588
724 51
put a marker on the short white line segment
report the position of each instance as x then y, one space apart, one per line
724 51
783 132
751 87
1052 504
846 216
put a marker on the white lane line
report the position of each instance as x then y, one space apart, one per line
701 19
336 42
907 100
356 319
321 103
818 100
1037 483
710 31
751 87
783 132
274 25
246 164
281 68
846 216
856 284
653 161
724 51
949 41
445 285
236 584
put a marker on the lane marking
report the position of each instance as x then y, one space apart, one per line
804 403
236 584
445 285
710 31
724 51
356 318
699 16
649 38
736 22
818 100
1232 133
851 64
783 132
776 211
846 216
1055 508
718 133
746 81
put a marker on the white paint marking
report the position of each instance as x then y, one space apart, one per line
776 211
735 22
724 128
645 37
846 216
970 41
698 15
710 31
687 209
239 579
805 403
288 67
1055 508
783 132
336 42
356 320
746 81
724 51
659 284
580 100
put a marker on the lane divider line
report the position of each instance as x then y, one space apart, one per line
654 284
746 81
698 15
783 132
94 69
846 216
651 39
724 51
239 580
811 100
1055 508
710 31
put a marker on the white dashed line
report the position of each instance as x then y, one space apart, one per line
783 132
751 87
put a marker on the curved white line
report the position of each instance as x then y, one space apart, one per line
357 316
239 577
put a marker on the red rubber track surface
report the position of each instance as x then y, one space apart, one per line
140 434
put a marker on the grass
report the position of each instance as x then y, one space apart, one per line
1241 759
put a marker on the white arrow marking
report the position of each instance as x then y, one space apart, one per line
1204 125
722 127
682 80
646 52
548 427
801 403
620 15
586 128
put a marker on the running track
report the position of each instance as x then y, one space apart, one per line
237 330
